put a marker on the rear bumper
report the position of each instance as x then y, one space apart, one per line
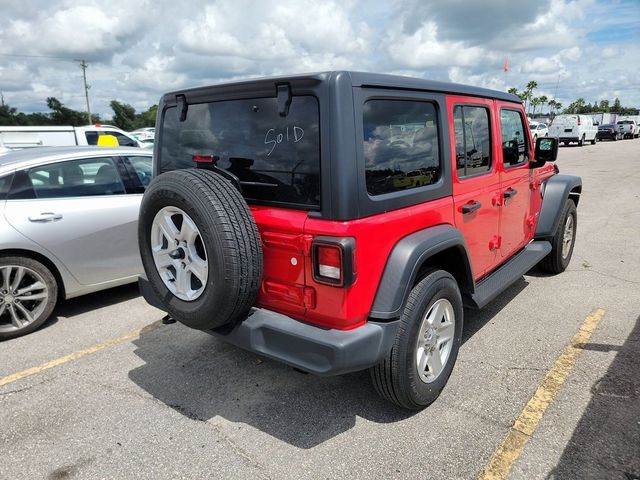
313 349
568 139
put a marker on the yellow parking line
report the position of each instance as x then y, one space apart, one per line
79 354
528 420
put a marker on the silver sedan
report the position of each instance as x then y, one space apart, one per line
68 226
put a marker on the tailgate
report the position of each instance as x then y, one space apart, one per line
284 253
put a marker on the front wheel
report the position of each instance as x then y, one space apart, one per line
426 346
28 295
593 142
563 240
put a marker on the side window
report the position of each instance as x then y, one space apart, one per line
143 170
123 140
92 138
400 145
514 141
473 140
4 185
76 178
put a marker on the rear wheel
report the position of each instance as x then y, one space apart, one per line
28 295
563 240
200 248
426 346
581 141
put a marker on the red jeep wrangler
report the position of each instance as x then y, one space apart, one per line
340 221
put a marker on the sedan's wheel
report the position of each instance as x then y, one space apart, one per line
28 294
563 240
426 347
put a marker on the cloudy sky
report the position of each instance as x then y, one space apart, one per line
137 49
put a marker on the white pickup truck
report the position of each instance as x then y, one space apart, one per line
628 128
26 137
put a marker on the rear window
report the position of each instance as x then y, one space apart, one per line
277 159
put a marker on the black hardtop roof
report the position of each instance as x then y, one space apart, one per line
360 79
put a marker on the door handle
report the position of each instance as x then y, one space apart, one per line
471 207
45 217
511 192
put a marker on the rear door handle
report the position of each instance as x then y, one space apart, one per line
512 192
45 217
471 207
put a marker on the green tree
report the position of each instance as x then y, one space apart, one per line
146 119
62 115
543 101
604 106
124 115
616 107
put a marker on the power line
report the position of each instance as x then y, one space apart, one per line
16 55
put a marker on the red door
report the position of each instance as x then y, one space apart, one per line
516 178
476 181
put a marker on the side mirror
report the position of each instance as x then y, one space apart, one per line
546 151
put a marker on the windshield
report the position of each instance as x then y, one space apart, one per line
277 159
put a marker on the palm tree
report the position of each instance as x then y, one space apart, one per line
535 101
543 99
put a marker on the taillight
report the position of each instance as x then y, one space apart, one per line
330 262
578 120
203 158
333 261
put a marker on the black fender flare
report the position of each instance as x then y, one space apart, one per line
405 261
556 191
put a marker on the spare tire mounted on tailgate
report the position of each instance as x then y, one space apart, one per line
200 248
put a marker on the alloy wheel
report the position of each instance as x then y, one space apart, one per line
179 253
23 297
435 339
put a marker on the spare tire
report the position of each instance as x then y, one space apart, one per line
200 248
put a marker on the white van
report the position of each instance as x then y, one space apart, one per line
26 137
573 128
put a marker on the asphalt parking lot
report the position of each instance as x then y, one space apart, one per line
113 393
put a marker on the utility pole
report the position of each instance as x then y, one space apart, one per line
84 65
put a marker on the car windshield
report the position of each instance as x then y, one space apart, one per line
276 158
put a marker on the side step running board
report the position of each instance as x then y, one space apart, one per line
503 277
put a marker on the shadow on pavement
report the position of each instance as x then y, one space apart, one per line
606 442
94 301
202 377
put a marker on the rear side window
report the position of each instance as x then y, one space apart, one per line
514 141
400 145
277 159
5 182
473 140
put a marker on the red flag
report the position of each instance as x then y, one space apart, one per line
506 65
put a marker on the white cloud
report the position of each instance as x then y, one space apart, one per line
139 49
423 49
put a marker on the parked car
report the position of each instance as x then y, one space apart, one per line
283 231
27 137
628 128
68 222
609 132
573 128
538 130
142 134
